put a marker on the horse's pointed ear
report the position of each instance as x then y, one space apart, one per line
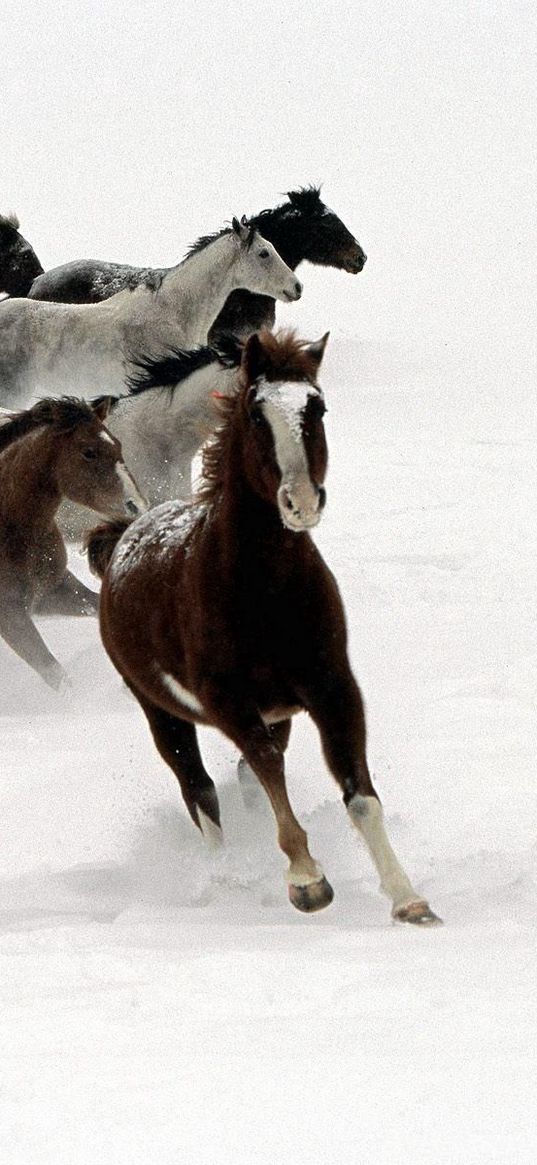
101 407
241 228
294 197
316 350
253 358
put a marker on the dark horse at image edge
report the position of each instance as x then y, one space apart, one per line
19 265
246 624
302 228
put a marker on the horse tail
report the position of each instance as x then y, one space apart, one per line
101 542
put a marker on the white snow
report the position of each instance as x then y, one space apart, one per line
162 1002
159 530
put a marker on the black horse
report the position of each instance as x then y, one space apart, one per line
19 265
302 227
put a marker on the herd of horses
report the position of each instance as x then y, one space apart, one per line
216 609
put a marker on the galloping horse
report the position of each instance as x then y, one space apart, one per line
246 625
19 264
86 348
59 448
303 227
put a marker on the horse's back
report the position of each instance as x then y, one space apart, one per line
88 281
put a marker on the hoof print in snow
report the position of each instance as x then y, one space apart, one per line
313 897
419 913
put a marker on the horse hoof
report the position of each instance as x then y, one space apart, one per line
419 913
315 896
212 832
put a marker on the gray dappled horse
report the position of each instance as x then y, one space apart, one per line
84 349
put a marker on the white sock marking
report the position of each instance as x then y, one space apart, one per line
366 814
211 831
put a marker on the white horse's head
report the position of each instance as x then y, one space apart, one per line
260 266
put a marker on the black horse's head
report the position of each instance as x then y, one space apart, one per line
326 239
19 265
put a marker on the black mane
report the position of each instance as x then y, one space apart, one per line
306 200
178 364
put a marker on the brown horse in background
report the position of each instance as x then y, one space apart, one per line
224 613
57 449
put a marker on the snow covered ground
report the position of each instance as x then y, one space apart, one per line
162 1004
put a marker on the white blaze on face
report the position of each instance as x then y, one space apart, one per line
283 406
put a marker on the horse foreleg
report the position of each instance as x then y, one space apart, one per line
70 597
177 743
21 634
338 711
263 749
250 787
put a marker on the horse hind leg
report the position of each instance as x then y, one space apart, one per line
177 743
250 787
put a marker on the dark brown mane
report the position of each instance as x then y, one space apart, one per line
214 457
64 414
286 357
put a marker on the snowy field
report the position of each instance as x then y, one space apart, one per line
163 1004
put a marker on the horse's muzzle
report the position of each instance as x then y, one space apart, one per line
291 296
354 260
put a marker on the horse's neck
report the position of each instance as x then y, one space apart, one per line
196 290
180 417
251 536
30 494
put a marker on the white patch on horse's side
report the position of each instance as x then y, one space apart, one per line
366 814
211 831
180 693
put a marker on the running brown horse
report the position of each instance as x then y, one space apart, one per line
224 613
57 449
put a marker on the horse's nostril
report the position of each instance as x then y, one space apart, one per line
131 507
322 496
298 288
287 501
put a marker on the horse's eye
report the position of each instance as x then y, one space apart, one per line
257 416
263 254
89 454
